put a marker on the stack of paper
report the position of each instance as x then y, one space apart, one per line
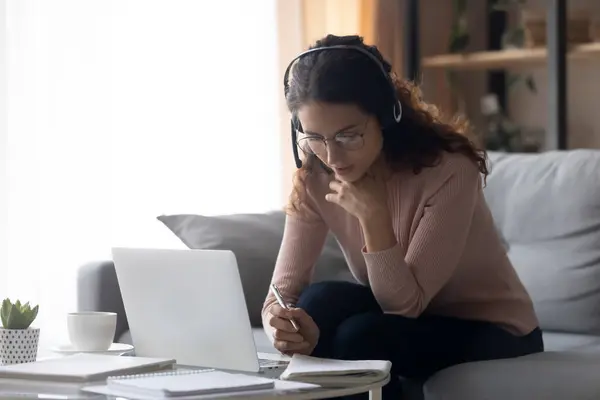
197 384
83 368
330 372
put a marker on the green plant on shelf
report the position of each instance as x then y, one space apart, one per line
459 34
515 38
17 315
458 42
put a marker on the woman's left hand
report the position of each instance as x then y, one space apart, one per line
365 198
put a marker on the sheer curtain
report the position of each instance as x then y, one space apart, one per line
119 111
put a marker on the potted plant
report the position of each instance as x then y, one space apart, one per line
18 340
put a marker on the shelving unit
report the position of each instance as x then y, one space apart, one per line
501 59
555 56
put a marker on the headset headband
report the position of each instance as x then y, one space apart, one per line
343 47
396 108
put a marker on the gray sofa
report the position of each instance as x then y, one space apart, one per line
547 208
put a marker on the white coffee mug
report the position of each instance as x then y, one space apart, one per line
91 331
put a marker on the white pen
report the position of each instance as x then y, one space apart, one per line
282 304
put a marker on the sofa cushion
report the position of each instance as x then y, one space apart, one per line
548 376
255 241
547 209
554 341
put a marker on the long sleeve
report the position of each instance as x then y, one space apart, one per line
405 284
302 244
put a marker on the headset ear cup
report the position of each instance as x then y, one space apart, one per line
397 111
390 119
295 145
297 124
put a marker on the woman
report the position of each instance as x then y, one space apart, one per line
402 192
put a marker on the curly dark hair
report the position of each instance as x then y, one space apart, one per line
347 76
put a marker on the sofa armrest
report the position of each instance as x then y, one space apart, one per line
98 290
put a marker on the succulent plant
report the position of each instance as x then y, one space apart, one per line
17 315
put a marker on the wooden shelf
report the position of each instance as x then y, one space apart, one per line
487 60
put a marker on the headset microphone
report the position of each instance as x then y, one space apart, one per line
389 119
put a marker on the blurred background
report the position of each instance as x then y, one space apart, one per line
524 72
117 111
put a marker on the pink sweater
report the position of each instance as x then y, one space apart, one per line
448 260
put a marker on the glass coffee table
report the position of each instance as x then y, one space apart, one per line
27 389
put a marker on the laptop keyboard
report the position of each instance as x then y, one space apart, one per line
263 363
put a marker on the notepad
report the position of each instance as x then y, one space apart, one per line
188 383
330 372
281 388
84 367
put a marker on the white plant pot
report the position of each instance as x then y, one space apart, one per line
18 346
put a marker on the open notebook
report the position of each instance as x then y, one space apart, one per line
330 372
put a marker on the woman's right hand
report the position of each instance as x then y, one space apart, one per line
287 339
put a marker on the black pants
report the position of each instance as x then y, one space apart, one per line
353 327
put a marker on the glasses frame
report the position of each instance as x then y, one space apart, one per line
325 140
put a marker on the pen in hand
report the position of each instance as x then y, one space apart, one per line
282 304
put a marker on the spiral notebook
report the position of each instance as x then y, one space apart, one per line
196 384
181 383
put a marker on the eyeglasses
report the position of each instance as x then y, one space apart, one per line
317 145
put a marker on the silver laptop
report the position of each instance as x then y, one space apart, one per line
189 305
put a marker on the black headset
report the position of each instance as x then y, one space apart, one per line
388 119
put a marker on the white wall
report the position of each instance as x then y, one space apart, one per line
3 138
290 44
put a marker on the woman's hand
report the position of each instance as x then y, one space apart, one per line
365 198
287 339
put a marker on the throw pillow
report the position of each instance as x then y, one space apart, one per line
255 241
547 208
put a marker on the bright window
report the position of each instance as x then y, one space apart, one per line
119 111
